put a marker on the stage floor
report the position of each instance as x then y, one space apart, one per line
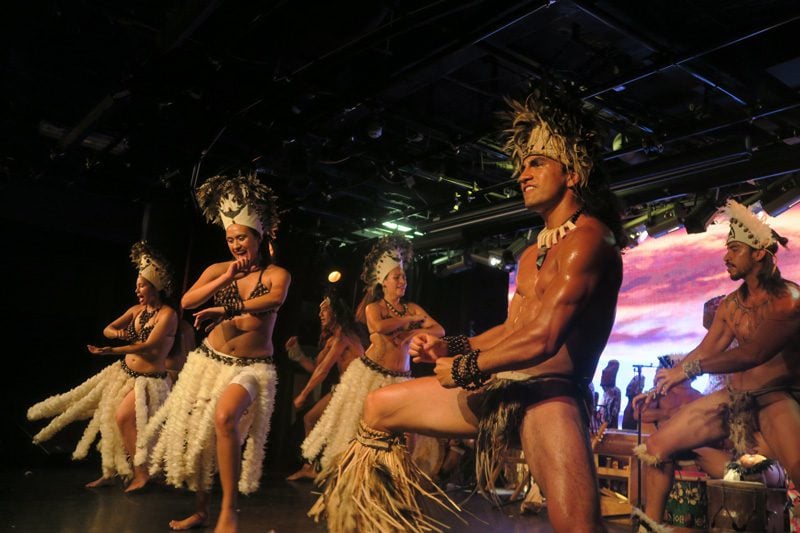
53 499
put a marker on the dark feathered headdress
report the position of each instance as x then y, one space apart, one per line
241 200
386 255
152 266
552 122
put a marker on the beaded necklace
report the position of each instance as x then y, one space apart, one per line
396 311
145 315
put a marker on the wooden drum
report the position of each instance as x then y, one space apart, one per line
736 506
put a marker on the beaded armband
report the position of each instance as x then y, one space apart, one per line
692 369
457 344
233 308
465 371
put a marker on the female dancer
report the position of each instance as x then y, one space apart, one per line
392 323
122 397
226 391
340 346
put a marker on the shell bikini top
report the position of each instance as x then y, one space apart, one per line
230 293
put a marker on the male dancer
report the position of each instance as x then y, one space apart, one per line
526 377
340 347
763 315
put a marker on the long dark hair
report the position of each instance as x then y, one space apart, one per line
342 318
371 294
769 277
599 202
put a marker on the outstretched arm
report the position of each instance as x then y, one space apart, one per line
333 350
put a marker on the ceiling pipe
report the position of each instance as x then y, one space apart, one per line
667 64
617 25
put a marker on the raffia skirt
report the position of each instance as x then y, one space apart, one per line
339 422
97 399
182 435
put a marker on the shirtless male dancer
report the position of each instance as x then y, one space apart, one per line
534 368
340 347
763 315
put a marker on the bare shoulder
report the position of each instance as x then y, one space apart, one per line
278 273
591 241
788 305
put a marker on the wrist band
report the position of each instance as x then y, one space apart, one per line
465 371
456 345
692 369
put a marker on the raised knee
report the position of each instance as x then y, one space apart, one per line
380 405
125 417
225 421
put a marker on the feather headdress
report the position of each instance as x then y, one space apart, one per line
241 200
553 123
747 227
386 255
152 266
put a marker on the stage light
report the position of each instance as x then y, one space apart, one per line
781 198
459 263
700 216
494 260
663 221
334 276
509 261
396 226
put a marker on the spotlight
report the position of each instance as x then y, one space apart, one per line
460 263
509 263
700 216
781 198
663 221
334 276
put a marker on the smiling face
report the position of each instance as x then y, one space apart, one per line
146 292
543 182
394 285
242 241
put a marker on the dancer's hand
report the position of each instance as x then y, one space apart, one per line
425 348
214 314
240 265
667 378
97 350
300 401
642 401
291 341
444 372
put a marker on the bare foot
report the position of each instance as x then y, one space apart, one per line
307 472
228 522
194 521
101 482
138 483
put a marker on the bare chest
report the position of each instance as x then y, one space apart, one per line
745 319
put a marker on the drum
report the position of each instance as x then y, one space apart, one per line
429 454
745 506
687 504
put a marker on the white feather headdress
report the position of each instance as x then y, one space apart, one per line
746 226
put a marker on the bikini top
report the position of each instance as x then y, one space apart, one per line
144 333
230 293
